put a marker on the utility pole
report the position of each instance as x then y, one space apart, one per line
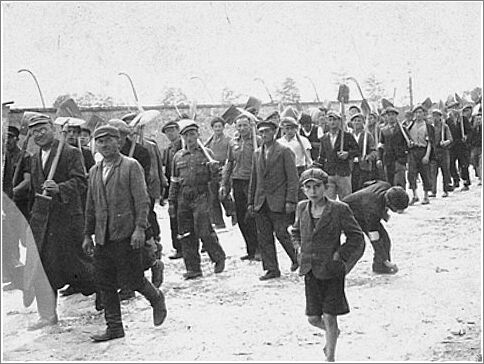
410 88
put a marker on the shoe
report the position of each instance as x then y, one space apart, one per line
192 275
98 303
425 201
270 275
450 188
43 323
381 269
157 273
445 194
465 188
247 257
413 200
69 291
456 184
159 310
177 255
219 266
234 220
126 295
108 335
433 194
219 226
9 287
258 257
294 266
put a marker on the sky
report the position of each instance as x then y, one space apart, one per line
75 47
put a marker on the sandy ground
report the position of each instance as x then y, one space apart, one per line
429 311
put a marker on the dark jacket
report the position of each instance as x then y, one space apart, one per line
319 243
275 180
313 139
395 148
430 135
371 152
141 154
88 159
456 131
119 206
328 158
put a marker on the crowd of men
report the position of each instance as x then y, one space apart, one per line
90 194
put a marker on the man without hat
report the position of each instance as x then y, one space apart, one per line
273 197
441 159
309 130
189 200
119 226
338 148
59 243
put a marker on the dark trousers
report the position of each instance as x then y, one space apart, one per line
174 233
415 167
442 161
152 220
193 224
216 210
268 223
395 174
381 248
246 223
460 153
359 177
118 265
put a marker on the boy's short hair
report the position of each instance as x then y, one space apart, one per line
313 174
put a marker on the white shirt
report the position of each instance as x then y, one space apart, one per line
333 137
45 155
293 144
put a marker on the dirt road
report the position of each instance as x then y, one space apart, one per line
430 310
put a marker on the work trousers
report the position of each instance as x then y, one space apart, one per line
395 174
193 217
476 160
359 177
441 160
216 210
118 265
338 186
152 220
174 232
416 166
269 222
246 223
45 296
460 153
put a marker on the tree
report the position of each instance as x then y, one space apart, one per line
229 96
173 96
88 99
374 89
288 93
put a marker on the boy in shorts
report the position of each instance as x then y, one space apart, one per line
324 262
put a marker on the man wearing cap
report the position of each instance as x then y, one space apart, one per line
220 145
408 118
441 158
189 199
17 191
119 226
363 163
172 131
59 239
475 142
338 148
74 138
310 131
393 150
273 198
370 206
236 173
275 118
289 139
459 150
421 135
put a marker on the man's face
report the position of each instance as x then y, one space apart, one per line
333 123
218 128
43 134
108 146
73 134
358 123
419 114
190 138
437 118
391 117
372 120
172 133
314 190
85 137
267 134
242 125
306 125
289 130
467 113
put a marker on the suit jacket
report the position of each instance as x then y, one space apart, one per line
371 152
274 180
141 154
328 157
319 242
117 207
394 147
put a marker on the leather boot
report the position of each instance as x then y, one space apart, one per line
157 273
112 315
109 334
157 301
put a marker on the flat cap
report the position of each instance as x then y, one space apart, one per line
266 124
391 109
129 117
13 131
187 125
467 106
170 124
106 130
437 111
120 125
216 119
272 115
36 118
416 107
288 121
313 174
355 107
333 114
358 114
305 118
